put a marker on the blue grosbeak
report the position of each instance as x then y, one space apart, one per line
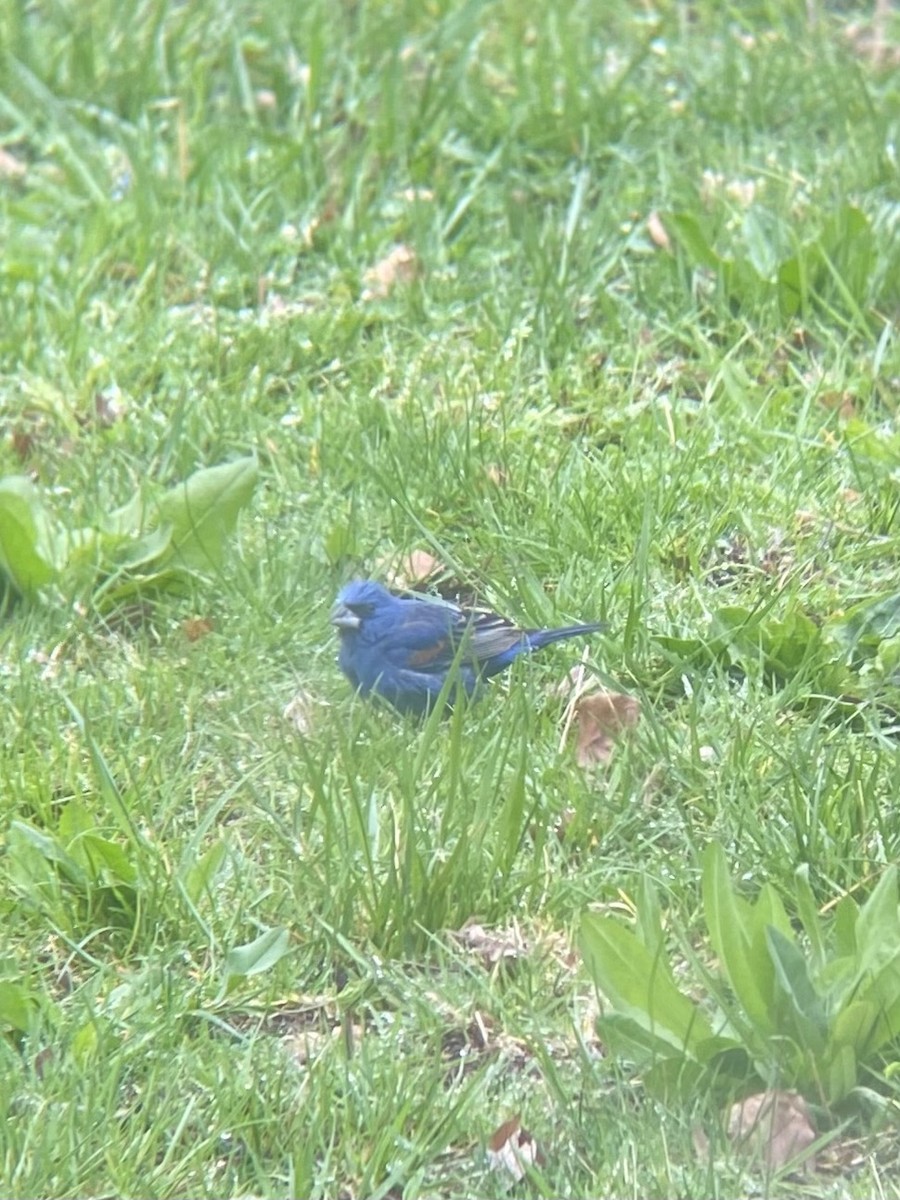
402 648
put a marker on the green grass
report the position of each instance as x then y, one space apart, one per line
578 423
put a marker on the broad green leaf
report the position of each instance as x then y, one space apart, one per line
121 586
878 923
882 992
109 789
741 281
846 914
141 551
769 910
259 955
788 644
629 1037
50 849
690 237
841 1074
340 540
199 877
84 1043
649 921
203 511
115 864
835 267
867 624
794 285
847 248
731 927
127 520
74 820
766 239
637 983
853 1026
808 1012
682 649
682 1080
809 915
675 1080
26 542
18 1007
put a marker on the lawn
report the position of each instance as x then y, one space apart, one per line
593 304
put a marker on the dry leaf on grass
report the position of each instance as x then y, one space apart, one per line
10 166
196 628
776 1126
844 403
513 1150
399 265
412 570
657 231
870 41
601 716
109 407
299 712
305 1046
23 444
505 945
413 195
458 1041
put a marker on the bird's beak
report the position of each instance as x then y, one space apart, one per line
344 617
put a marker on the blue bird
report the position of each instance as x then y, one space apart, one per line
402 648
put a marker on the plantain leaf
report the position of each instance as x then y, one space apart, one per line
26 542
203 511
259 955
806 1007
731 929
637 982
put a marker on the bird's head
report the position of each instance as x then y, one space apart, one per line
357 601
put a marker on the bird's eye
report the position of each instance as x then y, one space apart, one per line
361 610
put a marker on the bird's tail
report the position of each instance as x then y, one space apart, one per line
545 637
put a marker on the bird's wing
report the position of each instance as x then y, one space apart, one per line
417 637
487 636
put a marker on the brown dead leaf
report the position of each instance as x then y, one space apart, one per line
701 1143
474 1038
307 1045
196 628
399 265
776 1126
602 718
657 231
576 684
23 443
870 41
497 475
414 569
653 785
109 407
42 1061
10 166
504 946
414 195
844 403
513 1150
742 191
464 1047
300 712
